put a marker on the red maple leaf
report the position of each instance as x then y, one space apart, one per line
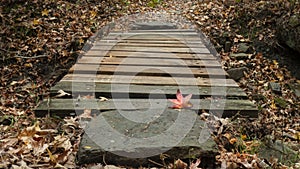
181 102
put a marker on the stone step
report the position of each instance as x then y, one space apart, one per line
135 138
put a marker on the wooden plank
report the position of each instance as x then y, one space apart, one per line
147 70
143 91
154 37
151 80
149 62
138 44
159 30
151 49
151 55
146 41
221 107
181 33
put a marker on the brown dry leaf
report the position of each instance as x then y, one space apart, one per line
62 142
87 114
180 164
195 165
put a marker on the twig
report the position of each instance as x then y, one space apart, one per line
103 159
33 57
5 50
155 163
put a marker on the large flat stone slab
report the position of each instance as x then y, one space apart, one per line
135 137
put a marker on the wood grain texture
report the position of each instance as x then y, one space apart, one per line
149 62
143 91
151 80
147 70
221 107
149 54
156 49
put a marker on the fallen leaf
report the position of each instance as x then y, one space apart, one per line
195 165
180 164
181 102
87 114
45 12
62 94
102 99
35 22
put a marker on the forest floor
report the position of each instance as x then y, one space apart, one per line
41 40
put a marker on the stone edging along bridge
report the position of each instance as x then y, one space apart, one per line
138 71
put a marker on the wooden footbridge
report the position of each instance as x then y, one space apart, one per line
140 68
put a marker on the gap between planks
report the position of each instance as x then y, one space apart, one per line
143 91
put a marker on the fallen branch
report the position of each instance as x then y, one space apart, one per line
33 57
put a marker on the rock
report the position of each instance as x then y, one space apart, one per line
112 167
152 25
243 47
236 73
275 87
296 88
288 31
227 46
121 141
239 56
276 149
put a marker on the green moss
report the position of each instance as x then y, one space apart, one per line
280 102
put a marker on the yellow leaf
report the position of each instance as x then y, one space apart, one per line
93 14
244 137
273 105
28 65
233 140
45 12
87 147
280 76
275 62
52 158
36 21
81 41
227 135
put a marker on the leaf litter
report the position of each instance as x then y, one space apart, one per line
40 40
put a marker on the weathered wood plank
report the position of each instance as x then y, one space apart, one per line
151 80
159 30
143 91
151 49
183 33
145 41
149 55
138 44
147 70
148 62
226 107
154 37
